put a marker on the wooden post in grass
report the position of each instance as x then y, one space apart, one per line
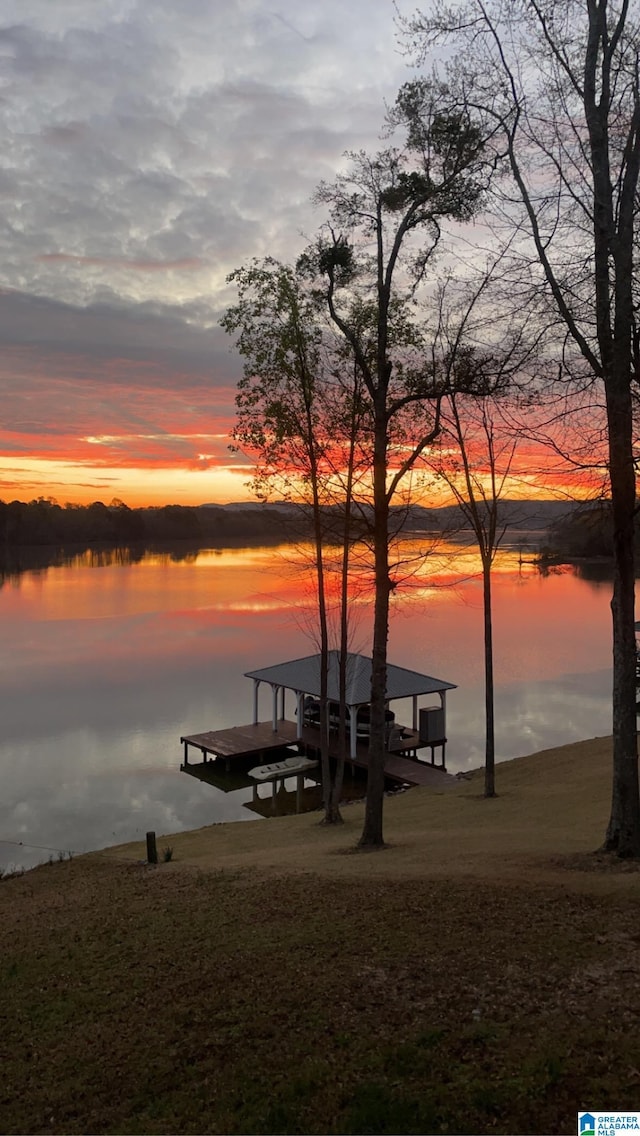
152 851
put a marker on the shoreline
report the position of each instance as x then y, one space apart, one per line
552 806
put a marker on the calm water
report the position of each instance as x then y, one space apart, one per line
104 666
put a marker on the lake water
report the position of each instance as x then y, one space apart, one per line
105 664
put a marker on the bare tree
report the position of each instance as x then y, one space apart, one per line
493 352
386 216
555 85
288 412
477 479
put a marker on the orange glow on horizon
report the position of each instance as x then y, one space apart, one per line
87 429
138 487
80 483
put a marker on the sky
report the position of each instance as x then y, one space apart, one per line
149 148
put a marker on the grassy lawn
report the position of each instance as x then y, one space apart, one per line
285 985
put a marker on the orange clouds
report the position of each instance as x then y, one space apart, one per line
155 429
81 427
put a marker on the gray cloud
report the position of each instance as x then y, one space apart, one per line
169 336
149 148
177 132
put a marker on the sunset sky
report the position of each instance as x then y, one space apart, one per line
150 147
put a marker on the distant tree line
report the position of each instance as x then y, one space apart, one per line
45 522
584 534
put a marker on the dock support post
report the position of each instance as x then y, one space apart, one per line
353 716
186 753
299 782
415 713
256 684
274 708
443 703
300 713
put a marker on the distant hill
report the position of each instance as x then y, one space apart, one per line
525 516
528 516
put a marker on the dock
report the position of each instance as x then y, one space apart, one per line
254 740
227 755
239 743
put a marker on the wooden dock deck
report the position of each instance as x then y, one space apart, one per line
240 742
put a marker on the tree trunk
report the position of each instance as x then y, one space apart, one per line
623 832
332 813
325 764
490 751
613 234
332 808
343 742
372 834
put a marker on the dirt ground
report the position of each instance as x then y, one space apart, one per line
479 975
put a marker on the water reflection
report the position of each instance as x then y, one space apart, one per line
15 561
107 661
593 571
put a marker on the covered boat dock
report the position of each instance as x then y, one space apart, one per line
301 679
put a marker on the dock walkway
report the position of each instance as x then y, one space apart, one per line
240 742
